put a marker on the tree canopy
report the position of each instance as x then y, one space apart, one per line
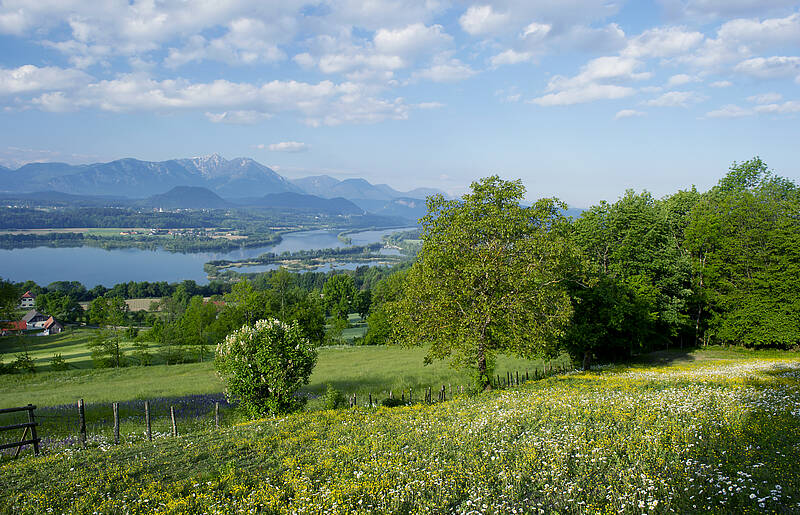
490 277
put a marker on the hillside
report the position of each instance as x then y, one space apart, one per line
300 202
186 197
703 436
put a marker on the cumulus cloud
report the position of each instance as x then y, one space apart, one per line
288 146
765 98
663 42
30 78
729 111
483 19
411 40
588 93
323 103
510 57
628 113
676 99
241 117
450 70
792 106
680 79
721 84
776 67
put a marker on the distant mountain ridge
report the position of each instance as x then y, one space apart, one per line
133 178
357 189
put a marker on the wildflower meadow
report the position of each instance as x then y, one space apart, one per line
718 436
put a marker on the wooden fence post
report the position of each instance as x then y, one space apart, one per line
82 426
115 408
147 421
32 421
174 426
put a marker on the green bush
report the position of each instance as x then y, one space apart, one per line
57 363
24 363
334 399
264 365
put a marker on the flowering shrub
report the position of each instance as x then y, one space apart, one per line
264 365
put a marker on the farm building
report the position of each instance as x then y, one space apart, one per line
34 319
52 326
27 301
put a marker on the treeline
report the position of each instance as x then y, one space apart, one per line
177 243
692 268
624 278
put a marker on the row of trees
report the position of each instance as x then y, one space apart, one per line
639 274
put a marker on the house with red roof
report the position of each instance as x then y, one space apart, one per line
52 326
27 301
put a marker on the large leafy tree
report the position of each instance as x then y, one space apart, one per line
490 278
745 240
639 277
339 294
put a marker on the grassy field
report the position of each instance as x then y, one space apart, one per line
704 431
194 387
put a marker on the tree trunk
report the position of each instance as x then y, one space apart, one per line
587 360
483 378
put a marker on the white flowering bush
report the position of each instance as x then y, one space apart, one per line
264 365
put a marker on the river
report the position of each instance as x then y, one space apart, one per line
92 266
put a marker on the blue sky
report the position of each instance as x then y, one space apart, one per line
581 99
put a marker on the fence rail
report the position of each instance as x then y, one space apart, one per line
29 426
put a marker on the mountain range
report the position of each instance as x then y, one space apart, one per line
208 182
235 178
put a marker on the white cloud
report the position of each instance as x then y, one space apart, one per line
323 103
765 98
288 146
792 106
663 42
740 39
776 67
511 57
587 93
536 31
450 70
721 84
676 99
429 105
709 9
482 19
30 78
411 40
248 41
608 68
241 117
729 111
628 113
681 79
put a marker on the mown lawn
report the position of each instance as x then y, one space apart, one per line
692 435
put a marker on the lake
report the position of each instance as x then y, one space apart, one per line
92 266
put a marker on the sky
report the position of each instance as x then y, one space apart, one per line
581 99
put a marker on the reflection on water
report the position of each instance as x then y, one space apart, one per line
92 266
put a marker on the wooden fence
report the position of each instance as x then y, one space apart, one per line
511 379
29 426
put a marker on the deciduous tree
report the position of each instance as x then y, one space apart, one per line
490 278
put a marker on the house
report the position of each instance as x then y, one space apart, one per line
7 328
52 326
27 301
34 319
